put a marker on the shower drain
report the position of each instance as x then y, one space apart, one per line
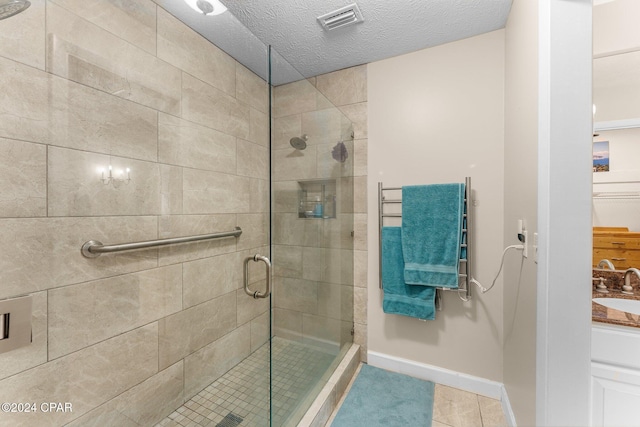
230 420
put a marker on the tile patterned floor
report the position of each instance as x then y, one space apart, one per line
458 408
240 398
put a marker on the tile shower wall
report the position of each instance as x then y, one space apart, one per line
347 89
126 338
321 308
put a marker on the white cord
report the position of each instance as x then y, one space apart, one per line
460 291
482 288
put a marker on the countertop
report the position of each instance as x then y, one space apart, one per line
600 313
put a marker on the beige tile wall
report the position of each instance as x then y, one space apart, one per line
319 262
126 338
347 89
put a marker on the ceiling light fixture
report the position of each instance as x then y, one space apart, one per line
207 7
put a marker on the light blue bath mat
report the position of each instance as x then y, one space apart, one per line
380 398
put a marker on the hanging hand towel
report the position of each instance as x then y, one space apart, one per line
431 233
400 298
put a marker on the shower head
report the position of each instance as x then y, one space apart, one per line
8 8
299 142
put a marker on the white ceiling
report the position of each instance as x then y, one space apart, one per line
390 28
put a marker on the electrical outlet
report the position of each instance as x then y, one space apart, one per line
522 236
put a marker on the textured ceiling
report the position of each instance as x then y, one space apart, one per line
390 28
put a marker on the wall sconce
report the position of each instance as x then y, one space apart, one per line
116 177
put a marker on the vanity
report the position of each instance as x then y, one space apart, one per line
615 352
615 375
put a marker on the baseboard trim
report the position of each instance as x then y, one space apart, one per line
473 384
509 416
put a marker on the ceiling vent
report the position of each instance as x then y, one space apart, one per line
342 17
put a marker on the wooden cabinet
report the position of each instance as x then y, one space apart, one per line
618 245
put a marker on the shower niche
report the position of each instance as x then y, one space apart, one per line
317 199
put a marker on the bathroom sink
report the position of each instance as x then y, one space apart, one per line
626 305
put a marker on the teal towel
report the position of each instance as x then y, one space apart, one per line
431 233
400 298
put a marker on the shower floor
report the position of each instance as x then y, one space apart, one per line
240 398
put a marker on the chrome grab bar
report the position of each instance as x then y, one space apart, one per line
93 248
257 294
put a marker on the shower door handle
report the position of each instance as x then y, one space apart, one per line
267 263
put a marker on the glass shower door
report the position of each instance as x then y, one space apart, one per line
130 126
312 240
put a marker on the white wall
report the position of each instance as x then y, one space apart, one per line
404 94
520 199
624 150
623 176
616 86
564 220
615 27
436 116
616 41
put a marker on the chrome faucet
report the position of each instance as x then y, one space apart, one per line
607 263
601 287
626 288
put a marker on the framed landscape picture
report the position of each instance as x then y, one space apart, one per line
601 156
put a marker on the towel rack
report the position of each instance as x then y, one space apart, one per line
464 285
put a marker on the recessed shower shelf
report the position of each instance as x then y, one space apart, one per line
317 199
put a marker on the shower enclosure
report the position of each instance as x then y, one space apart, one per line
124 125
